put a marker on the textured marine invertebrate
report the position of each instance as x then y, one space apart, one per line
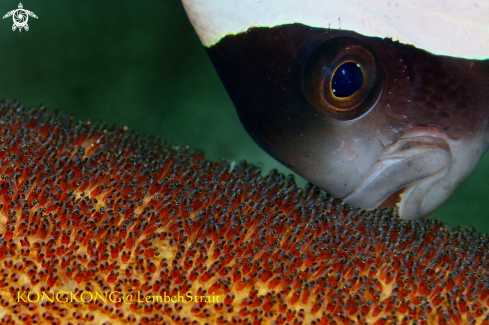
88 209
374 102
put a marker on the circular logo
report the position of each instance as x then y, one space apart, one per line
20 17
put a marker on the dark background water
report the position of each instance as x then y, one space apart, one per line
140 64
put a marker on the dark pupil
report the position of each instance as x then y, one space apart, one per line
347 79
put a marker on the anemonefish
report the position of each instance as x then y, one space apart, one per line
380 103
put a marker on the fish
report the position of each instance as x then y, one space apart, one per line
381 104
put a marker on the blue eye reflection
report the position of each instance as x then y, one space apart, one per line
347 79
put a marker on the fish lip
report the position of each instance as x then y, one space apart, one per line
411 166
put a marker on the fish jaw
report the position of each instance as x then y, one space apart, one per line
422 168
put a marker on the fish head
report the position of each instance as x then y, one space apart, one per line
375 106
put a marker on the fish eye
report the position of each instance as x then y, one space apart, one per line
342 78
347 79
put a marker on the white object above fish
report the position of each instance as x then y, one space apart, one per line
455 28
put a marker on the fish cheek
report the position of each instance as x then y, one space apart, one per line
422 89
444 91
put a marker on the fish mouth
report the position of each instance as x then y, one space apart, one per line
393 201
404 173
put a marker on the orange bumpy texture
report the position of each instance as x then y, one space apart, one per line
90 208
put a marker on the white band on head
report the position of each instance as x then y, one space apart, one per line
445 27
